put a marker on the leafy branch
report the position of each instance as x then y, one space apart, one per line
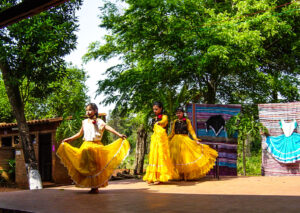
247 127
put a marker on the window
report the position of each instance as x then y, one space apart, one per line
16 139
32 139
6 141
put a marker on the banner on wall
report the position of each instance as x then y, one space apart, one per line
209 122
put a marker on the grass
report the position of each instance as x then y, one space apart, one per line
253 165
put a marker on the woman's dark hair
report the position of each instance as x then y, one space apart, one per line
94 107
157 103
180 108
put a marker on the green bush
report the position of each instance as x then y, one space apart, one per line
10 171
253 164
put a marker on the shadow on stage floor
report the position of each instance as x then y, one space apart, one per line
141 200
180 183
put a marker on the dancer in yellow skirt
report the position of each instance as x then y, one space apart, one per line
160 168
92 164
192 159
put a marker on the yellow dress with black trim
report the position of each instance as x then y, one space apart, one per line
160 167
92 165
191 160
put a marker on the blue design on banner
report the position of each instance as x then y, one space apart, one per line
223 134
232 165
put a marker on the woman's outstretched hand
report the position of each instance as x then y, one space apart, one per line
123 136
66 140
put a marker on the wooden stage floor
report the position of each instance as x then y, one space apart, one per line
230 194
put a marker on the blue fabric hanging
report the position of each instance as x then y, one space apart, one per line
285 148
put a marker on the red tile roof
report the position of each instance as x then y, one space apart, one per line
33 122
41 121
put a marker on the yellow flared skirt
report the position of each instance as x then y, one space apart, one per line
191 160
160 167
92 164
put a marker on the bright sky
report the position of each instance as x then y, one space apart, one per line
89 31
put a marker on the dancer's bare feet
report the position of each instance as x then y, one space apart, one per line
94 191
157 183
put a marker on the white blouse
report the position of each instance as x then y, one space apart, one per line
93 132
288 128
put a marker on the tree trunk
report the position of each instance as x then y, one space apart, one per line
140 150
248 146
210 96
13 93
275 96
244 158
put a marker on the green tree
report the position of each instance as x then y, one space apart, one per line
248 127
32 51
68 97
217 51
6 114
222 51
68 100
136 127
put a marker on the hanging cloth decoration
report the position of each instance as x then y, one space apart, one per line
216 123
285 148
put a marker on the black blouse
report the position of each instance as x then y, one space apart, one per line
181 127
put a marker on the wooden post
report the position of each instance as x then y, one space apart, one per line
194 118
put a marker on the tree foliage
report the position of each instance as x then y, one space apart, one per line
221 51
68 97
127 123
248 127
6 114
32 49
31 55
